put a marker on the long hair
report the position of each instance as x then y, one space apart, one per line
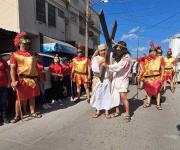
120 51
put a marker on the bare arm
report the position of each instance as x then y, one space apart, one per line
13 76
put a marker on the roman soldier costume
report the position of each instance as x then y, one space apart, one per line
80 66
170 63
26 69
152 75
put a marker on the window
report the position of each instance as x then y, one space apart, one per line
51 15
73 17
41 10
60 13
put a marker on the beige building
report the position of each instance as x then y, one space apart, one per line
62 20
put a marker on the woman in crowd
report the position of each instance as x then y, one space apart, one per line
56 78
66 76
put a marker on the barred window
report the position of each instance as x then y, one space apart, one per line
41 10
82 25
73 17
60 13
51 15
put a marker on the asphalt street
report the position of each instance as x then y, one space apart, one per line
69 126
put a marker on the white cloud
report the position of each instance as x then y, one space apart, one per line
129 36
140 49
134 30
177 35
132 34
165 41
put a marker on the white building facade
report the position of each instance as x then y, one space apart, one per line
174 44
62 20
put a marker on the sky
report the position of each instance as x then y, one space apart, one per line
143 21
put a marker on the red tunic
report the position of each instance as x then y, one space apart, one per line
56 68
3 73
26 65
41 70
66 69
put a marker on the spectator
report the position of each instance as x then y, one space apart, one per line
56 78
4 83
66 76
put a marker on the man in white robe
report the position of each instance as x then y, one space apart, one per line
121 70
101 94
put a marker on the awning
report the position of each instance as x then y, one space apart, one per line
52 45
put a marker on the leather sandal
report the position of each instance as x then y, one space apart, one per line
147 105
115 115
96 115
108 116
158 107
15 119
127 118
35 115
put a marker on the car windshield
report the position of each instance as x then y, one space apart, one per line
47 61
6 57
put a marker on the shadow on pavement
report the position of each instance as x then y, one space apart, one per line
134 104
178 127
63 104
153 100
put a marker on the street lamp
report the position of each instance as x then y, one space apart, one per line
92 3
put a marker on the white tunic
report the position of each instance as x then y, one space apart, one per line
177 72
101 92
120 83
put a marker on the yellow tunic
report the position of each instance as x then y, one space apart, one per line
169 68
152 75
27 66
80 68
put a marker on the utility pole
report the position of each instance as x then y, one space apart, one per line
87 28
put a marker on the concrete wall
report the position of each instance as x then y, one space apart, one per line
9 15
79 7
29 23
175 46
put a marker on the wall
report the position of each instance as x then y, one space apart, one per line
9 15
175 46
29 23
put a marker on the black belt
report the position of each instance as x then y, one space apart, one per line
26 76
81 73
168 68
151 76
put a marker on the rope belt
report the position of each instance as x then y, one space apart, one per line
96 74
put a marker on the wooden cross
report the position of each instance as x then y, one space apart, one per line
108 41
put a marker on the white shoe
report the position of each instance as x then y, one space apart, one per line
53 101
72 99
44 106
